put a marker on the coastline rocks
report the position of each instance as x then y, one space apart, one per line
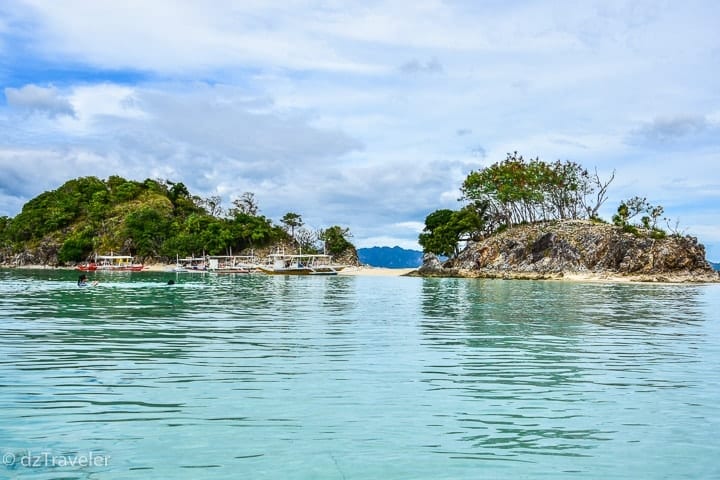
432 267
557 249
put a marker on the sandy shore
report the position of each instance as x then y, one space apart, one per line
161 267
352 271
592 277
375 271
585 277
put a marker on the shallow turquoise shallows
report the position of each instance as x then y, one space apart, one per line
271 377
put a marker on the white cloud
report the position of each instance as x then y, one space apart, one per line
416 66
186 36
667 129
39 99
416 227
307 105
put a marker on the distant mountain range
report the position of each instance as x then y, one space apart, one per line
716 266
390 257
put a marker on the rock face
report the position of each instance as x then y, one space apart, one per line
554 249
43 253
432 267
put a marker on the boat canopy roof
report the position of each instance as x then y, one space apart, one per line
283 255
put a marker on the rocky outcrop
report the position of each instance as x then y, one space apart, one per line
433 267
42 253
558 249
349 257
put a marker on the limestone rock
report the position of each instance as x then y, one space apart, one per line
554 249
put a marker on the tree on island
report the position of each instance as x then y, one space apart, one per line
631 208
521 191
512 192
335 240
292 221
445 229
246 204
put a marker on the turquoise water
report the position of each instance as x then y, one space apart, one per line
269 377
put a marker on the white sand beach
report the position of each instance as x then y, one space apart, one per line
375 271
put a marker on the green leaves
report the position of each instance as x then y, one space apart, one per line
445 228
149 219
518 191
631 208
335 240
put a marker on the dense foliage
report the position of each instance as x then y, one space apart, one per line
518 191
649 216
335 240
150 219
511 192
445 228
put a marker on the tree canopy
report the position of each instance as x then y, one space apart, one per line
152 218
511 192
518 190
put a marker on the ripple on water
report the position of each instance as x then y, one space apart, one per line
359 377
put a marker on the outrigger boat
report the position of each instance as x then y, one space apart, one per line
111 263
190 265
232 264
282 264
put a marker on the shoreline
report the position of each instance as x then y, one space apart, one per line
667 278
681 278
167 268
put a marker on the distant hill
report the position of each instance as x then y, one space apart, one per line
390 257
151 220
716 266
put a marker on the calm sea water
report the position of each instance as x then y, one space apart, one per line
355 378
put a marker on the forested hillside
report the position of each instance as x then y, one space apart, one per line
151 220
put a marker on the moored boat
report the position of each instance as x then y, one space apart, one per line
111 263
282 264
231 264
189 265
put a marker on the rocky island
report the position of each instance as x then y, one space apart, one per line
530 219
579 249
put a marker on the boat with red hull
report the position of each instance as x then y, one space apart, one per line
111 263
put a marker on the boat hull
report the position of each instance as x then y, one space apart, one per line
92 267
298 271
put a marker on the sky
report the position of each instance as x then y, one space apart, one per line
369 114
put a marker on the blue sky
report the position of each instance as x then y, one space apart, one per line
364 114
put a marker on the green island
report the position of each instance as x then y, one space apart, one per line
530 219
524 219
154 221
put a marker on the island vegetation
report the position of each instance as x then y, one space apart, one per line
153 220
531 218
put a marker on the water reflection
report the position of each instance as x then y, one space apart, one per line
362 377
526 358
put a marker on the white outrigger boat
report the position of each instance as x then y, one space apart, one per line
190 265
282 264
231 264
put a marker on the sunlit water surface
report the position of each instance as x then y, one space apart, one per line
356 378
